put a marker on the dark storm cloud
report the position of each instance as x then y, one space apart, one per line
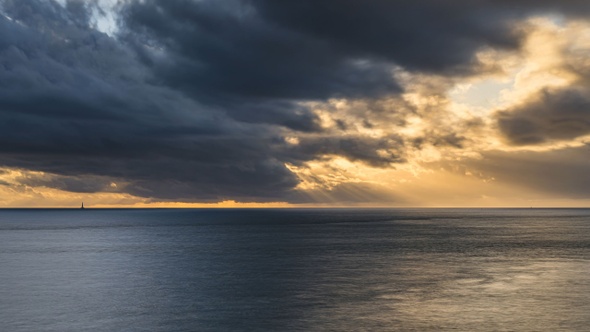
550 115
354 148
191 99
88 184
225 49
75 102
428 35
224 52
313 49
273 112
433 36
265 180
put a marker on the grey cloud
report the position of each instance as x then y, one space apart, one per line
217 50
445 139
558 114
87 184
259 181
431 36
354 148
561 173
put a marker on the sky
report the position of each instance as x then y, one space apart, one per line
265 103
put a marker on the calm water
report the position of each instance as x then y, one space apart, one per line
295 270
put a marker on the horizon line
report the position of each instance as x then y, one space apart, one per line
285 207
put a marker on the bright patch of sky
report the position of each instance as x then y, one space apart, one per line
484 93
104 15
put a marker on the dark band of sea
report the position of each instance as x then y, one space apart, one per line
295 270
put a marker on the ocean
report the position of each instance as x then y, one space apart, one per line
295 270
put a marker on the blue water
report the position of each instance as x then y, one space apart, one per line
295 270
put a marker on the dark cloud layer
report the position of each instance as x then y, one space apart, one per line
427 35
192 99
355 148
88 184
76 102
226 50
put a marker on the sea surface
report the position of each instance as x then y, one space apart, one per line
295 270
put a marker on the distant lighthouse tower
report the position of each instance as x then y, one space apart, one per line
82 207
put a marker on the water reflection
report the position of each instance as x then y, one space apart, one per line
189 270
